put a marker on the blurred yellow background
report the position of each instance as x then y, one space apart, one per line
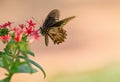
92 47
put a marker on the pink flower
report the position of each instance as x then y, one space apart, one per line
31 23
18 30
35 34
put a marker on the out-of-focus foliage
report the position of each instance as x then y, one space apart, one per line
109 74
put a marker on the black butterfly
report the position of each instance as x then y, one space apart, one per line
53 27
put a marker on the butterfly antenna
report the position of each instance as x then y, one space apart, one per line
42 21
36 20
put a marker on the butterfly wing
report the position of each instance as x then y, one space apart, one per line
61 23
57 33
46 40
52 17
52 27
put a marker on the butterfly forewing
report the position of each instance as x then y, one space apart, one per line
52 17
61 23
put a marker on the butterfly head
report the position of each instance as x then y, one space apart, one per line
43 31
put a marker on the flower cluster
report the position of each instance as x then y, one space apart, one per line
14 58
7 32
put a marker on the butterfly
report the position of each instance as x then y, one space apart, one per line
53 27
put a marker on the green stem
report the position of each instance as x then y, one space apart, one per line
7 79
10 74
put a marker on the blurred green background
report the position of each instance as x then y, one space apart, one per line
108 74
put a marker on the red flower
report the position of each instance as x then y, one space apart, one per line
21 26
29 30
19 31
18 34
0 26
31 23
5 38
9 23
17 37
6 24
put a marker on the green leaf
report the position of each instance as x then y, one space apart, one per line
1 53
1 63
5 80
27 60
4 31
23 46
36 64
24 68
40 67
31 53
10 47
5 61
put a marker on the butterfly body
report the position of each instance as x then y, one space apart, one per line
53 27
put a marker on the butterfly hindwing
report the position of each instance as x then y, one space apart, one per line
57 35
46 40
